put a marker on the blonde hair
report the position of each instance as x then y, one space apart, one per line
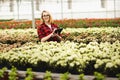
51 20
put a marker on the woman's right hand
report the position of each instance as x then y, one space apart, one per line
53 33
54 30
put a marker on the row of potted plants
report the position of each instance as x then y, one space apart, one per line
73 34
65 56
88 23
65 23
93 34
15 38
14 74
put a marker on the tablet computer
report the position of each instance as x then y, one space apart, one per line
59 30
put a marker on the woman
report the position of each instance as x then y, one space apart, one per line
46 31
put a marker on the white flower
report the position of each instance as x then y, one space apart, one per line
117 62
109 65
96 66
71 64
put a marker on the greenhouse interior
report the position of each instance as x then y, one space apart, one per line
59 39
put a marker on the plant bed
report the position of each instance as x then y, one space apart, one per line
55 76
76 55
65 56
15 74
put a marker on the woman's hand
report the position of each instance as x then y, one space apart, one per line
53 33
54 30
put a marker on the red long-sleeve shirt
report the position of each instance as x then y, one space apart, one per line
43 30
